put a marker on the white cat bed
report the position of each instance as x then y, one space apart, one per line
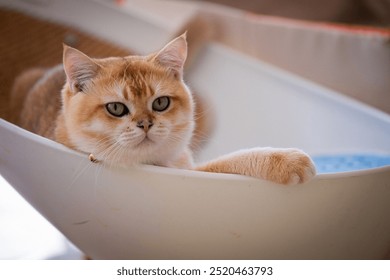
150 212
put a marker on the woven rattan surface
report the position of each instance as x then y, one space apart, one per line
27 42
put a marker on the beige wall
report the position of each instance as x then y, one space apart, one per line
353 61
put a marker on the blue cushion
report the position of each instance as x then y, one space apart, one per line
353 162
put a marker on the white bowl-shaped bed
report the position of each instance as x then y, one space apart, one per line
150 212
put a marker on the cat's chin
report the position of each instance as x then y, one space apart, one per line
145 152
144 143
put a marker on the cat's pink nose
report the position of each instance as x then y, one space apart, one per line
145 124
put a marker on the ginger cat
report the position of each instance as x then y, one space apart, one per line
135 109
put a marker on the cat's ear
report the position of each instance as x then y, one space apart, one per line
173 55
79 68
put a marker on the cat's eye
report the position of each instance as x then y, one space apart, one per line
117 109
161 103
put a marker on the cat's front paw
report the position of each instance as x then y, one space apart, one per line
289 167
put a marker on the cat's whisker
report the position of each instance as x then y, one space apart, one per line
103 153
205 112
175 139
102 143
109 154
79 172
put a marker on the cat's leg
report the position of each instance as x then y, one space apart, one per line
283 166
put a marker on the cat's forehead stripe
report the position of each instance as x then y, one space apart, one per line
125 93
137 81
138 86
129 92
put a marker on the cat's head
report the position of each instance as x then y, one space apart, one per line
126 110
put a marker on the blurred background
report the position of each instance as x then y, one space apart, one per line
360 12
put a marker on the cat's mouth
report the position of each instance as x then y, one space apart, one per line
146 141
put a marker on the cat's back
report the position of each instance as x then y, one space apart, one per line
35 100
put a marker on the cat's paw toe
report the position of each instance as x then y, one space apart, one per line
92 158
291 166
